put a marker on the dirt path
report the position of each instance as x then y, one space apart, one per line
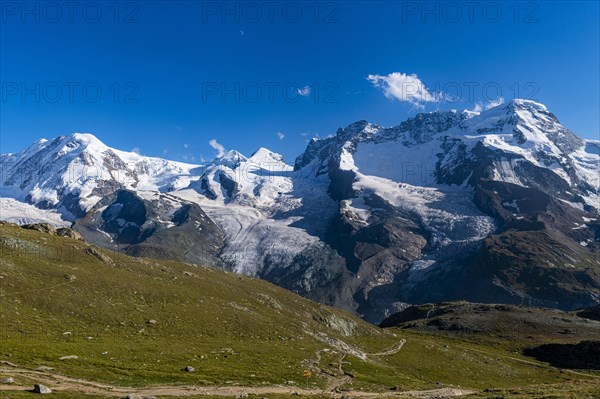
393 350
342 378
59 382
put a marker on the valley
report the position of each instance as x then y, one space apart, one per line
88 322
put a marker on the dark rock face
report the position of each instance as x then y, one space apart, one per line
534 268
590 313
527 326
584 355
126 219
164 227
318 273
536 257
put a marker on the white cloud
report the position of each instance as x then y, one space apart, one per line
308 136
491 104
280 135
186 145
495 103
304 91
136 150
217 146
405 88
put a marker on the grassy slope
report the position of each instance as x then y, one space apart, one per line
232 329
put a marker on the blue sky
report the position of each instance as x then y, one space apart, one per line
165 78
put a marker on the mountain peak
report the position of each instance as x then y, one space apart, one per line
230 159
264 155
82 139
526 104
87 137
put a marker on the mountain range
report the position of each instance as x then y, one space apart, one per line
497 206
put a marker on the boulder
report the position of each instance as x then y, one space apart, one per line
69 233
41 227
39 388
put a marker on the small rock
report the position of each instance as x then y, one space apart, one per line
99 255
243 395
189 369
67 232
70 277
69 357
39 388
7 380
44 368
151 321
133 396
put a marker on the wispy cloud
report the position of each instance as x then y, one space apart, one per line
304 91
136 150
308 136
491 104
217 146
280 135
406 88
495 103
186 145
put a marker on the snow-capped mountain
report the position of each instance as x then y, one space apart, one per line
446 205
72 173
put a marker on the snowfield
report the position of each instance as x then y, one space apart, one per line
18 212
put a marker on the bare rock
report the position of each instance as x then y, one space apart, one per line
69 233
39 388
41 227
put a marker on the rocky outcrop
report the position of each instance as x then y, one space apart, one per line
161 227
